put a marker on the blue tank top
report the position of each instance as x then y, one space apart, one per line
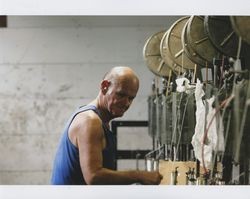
67 169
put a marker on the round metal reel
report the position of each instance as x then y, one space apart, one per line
189 50
222 35
172 50
166 56
199 41
241 25
152 55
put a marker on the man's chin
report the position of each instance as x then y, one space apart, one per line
117 115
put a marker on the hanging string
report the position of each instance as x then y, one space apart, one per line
221 70
182 61
174 132
193 80
206 73
239 48
169 80
227 125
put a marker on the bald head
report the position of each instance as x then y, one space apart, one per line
120 72
118 89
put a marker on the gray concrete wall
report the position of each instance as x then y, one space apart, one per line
49 65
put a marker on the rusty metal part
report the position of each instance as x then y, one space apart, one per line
172 50
152 56
199 41
241 25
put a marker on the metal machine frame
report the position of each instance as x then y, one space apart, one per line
128 154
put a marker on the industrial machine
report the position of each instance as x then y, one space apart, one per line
199 108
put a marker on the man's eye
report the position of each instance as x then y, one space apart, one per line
120 95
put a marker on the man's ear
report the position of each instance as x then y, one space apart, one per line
104 86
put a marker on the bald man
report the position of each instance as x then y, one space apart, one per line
86 154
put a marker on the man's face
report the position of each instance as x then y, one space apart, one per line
120 96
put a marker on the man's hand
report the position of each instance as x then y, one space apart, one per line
150 178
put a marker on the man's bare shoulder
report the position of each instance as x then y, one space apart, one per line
86 123
87 119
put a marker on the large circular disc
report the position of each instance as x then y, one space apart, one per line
152 55
189 50
166 56
199 41
222 35
241 25
172 50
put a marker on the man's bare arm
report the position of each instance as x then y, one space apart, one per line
90 141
